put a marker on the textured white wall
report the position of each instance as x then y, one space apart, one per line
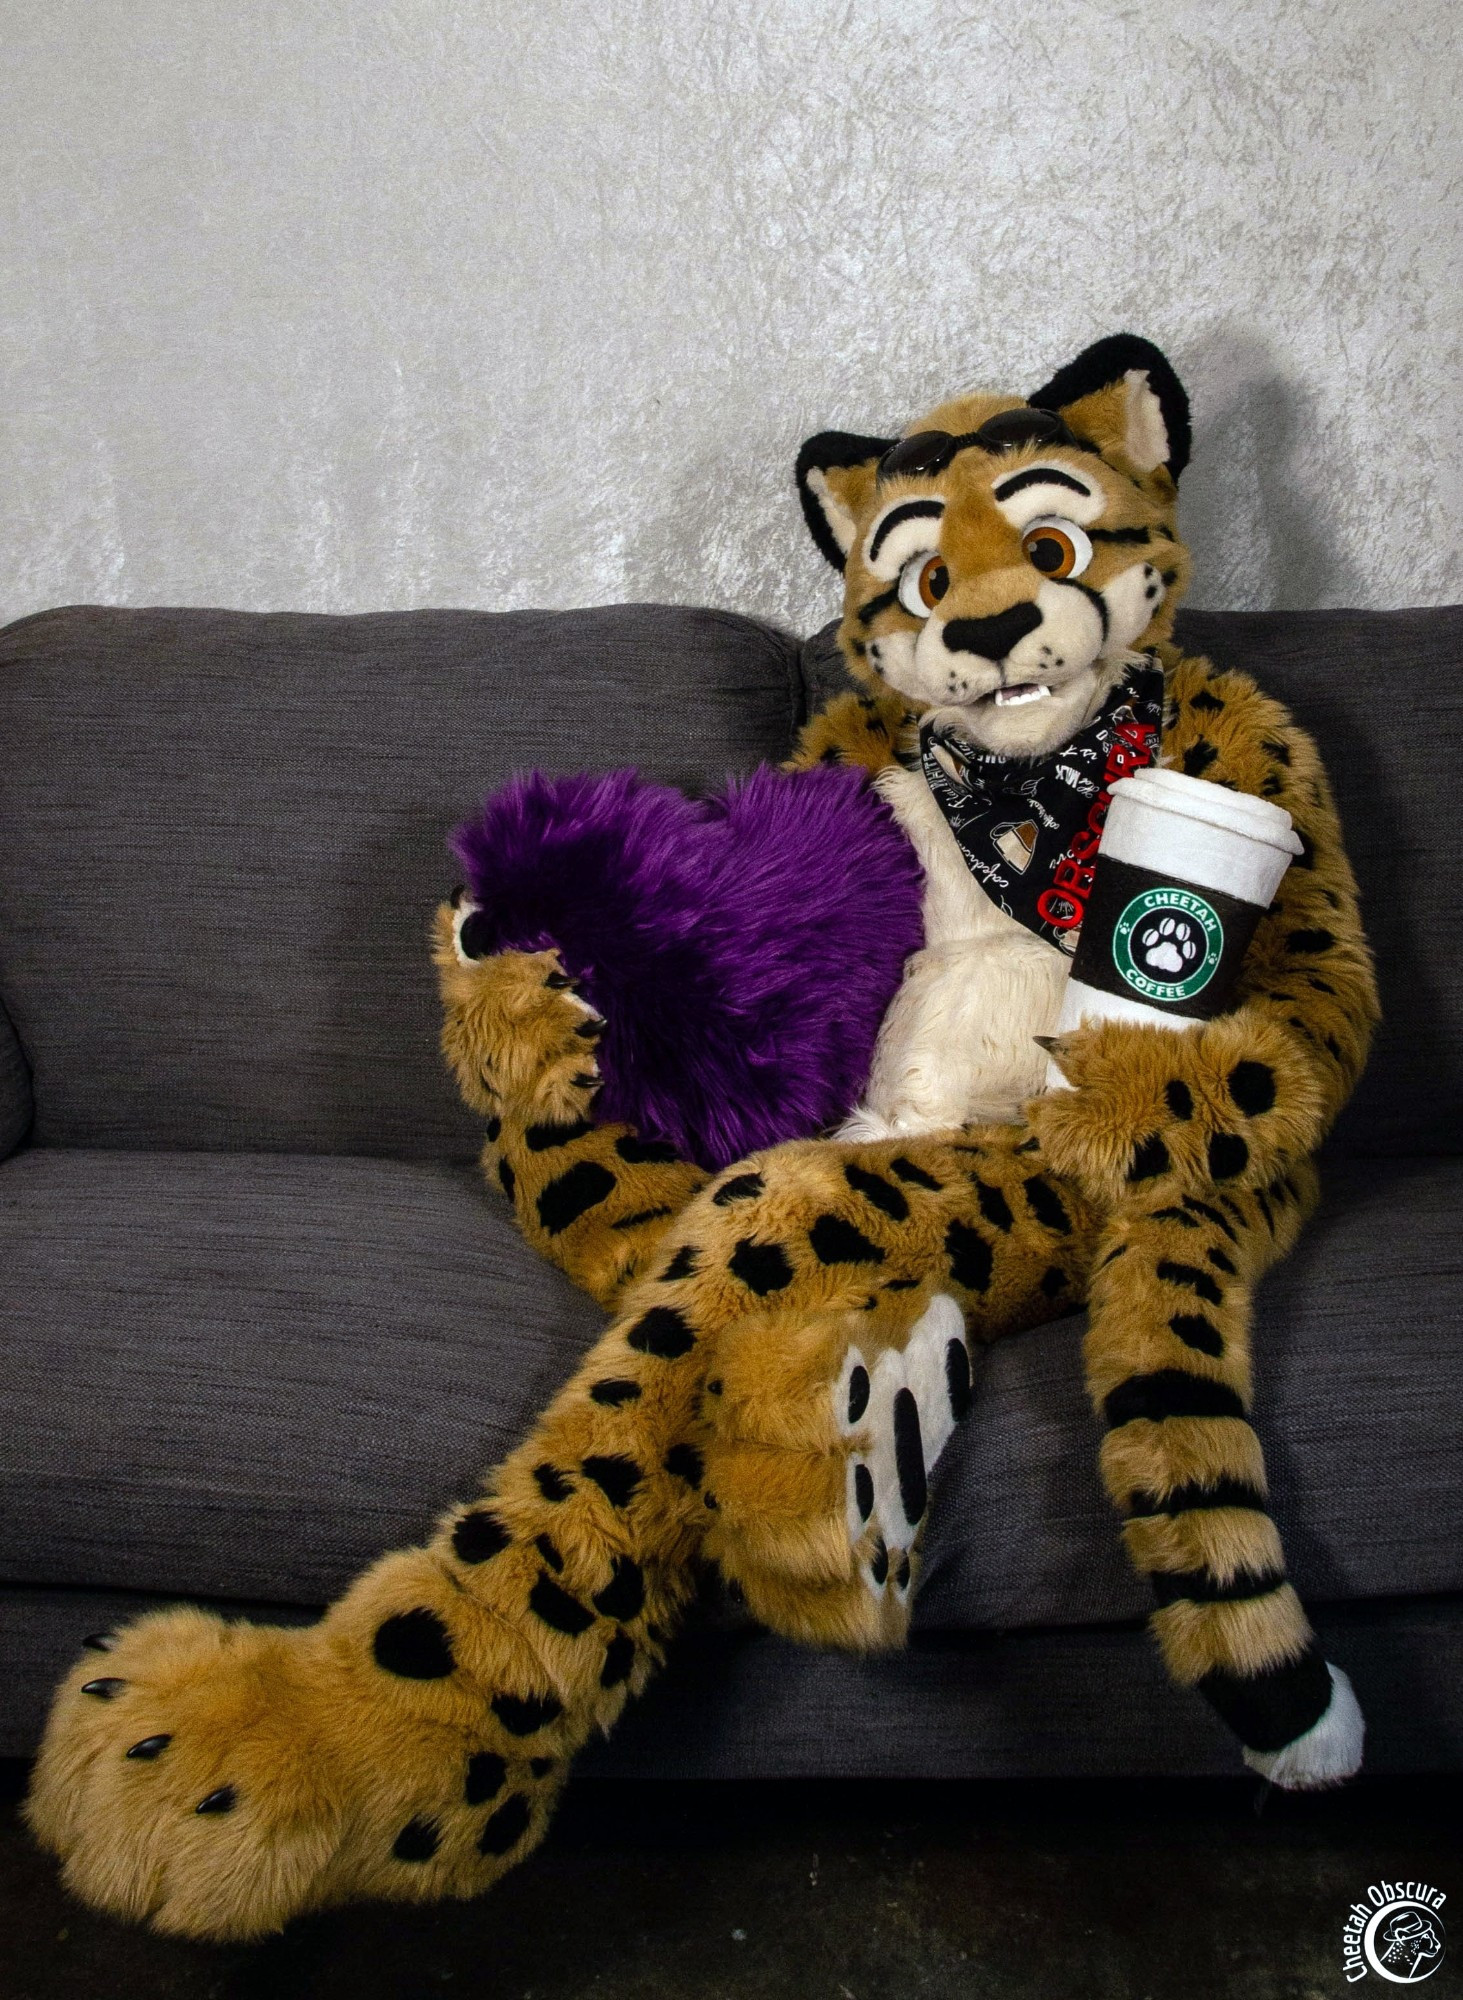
343 304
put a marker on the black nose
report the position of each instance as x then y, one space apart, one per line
994 637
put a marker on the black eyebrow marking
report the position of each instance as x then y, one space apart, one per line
867 613
908 510
1040 475
1118 535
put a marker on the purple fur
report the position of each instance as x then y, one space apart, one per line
743 948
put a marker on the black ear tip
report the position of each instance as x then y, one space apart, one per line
1106 361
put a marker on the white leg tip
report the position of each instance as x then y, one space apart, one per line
1328 1753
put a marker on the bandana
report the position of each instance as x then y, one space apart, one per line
1030 828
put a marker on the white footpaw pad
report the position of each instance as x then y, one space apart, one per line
1328 1753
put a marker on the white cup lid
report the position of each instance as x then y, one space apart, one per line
1198 798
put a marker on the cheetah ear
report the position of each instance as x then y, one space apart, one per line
1123 394
836 471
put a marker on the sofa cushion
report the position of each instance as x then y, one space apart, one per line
222 835
1379 692
242 1376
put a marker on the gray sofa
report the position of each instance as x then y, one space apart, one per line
260 1318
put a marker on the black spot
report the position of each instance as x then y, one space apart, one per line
858 1392
902 1284
1197 1332
1191 1276
414 1644
835 1241
615 1475
1169 1392
1309 941
915 1176
662 1331
486 1771
553 1604
543 1138
613 1393
522 1715
643 1215
1220 1261
1272 785
1031 1145
417 1841
1180 1097
970 1256
1228 1155
1174 1215
879 1562
909 1457
874 1188
478 1536
1054 1280
1121 1249
957 1378
623 1597
638 1152
682 1265
1210 703
1198 757
1209 1214
573 1194
761 1267
741 1187
619 1659
105 1689
863 1490
553 1484
493 1127
548 1548
1276 749
993 1204
686 1463
150 1747
540 1766
832 755
1320 985
1150 1160
903 1573
507 1826
506 1178
222 1801
1264 1208
1046 1204
713 1387
1252 1086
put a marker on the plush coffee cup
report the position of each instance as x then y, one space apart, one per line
1185 871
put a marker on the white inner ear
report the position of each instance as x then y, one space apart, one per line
840 521
1146 438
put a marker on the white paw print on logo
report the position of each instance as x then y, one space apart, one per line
1168 946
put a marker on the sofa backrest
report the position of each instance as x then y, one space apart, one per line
1382 693
222 836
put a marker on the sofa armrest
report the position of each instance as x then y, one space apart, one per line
17 1105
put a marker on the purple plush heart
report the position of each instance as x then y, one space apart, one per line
743 948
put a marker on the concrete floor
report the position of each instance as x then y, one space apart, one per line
1132 1891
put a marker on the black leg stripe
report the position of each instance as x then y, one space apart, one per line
1169 1392
1197 1586
1268 1710
1209 1214
543 1138
1186 1499
573 1194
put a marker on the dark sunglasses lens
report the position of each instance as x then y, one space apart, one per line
917 456
1013 427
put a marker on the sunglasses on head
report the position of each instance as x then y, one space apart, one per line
929 452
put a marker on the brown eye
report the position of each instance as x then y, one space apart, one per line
1057 548
923 581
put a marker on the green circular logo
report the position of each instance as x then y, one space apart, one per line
1167 945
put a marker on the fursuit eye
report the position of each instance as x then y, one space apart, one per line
1056 547
922 583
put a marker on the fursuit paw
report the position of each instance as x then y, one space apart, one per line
517 1034
1230 1103
214 1780
825 1431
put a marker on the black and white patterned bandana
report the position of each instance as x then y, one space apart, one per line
1029 828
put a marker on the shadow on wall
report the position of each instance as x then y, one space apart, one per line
1259 499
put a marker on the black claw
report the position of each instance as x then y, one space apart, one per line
149 1747
100 1642
558 980
223 1800
104 1690
587 1030
457 895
